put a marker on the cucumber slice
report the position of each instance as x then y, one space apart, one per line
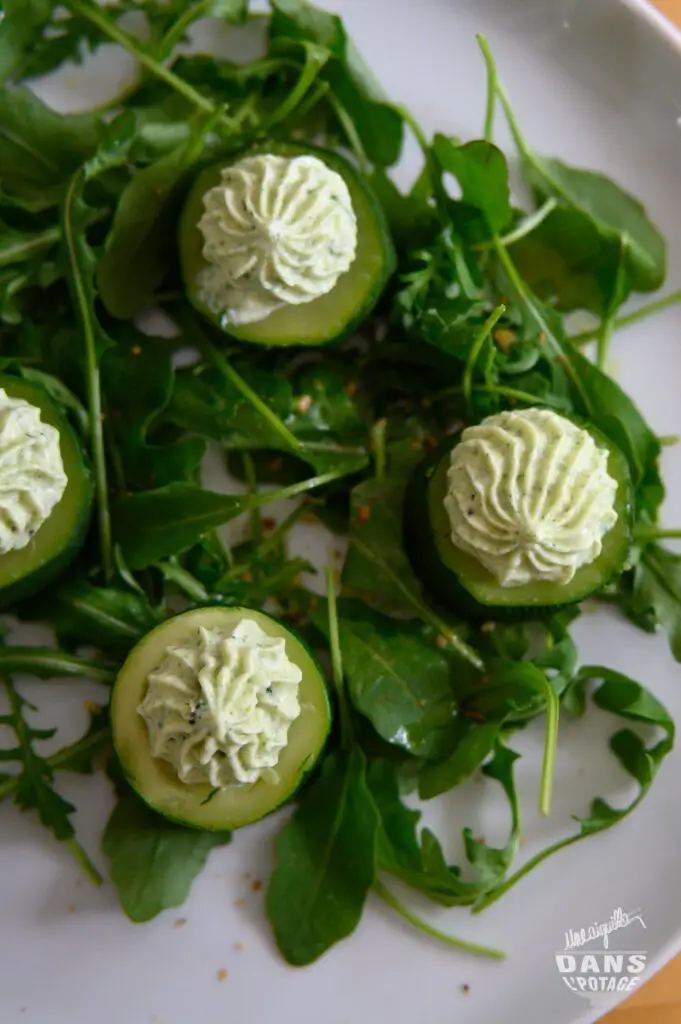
197 805
330 317
460 582
24 572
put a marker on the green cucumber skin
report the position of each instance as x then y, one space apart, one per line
187 227
306 771
35 581
449 588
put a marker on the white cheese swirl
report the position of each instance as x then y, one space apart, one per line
530 496
219 707
32 477
277 231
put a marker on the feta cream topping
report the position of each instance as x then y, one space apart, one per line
32 477
529 495
219 707
277 231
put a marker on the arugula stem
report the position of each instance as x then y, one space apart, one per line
550 744
631 318
526 226
439 193
296 96
449 940
492 86
94 392
500 389
348 126
227 370
178 29
479 340
526 296
337 657
42 659
270 543
175 573
293 490
83 861
649 534
97 17
252 483
378 445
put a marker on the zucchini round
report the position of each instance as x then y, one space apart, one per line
25 571
460 582
197 806
329 318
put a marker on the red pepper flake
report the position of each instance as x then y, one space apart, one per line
363 514
276 464
303 403
137 350
240 902
465 989
488 627
180 923
239 946
246 577
442 641
91 707
542 337
505 338
256 885
222 974
475 715
351 388
268 523
429 443
416 446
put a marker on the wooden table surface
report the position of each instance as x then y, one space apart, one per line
658 1002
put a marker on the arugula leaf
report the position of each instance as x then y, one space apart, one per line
325 862
138 381
110 618
46 663
420 863
613 412
482 172
567 261
323 420
32 788
655 595
474 743
178 515
140 244
228 10
615 214
377 124
152 861
22 26
396 678
40 148
628 699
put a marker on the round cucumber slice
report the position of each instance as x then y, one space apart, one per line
198 806
330 317
459 581
24 572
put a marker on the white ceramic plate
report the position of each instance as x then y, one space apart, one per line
599 84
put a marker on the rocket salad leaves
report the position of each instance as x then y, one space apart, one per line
471 324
